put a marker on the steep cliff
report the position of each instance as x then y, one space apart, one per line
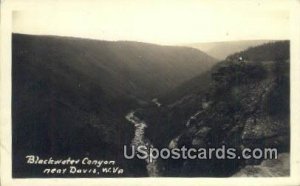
246 105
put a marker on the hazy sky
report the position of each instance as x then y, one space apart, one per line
163 22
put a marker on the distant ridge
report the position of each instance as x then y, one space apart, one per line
121 66
220 50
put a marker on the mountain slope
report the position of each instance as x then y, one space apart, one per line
70 96
220 50
245 103
121 67
272 51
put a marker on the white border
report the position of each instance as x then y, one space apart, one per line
8 6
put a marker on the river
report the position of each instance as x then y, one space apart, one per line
140 140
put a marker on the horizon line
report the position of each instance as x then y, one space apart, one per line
155 43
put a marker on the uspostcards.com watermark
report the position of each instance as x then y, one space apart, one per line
151 154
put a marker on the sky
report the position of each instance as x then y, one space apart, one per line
168 22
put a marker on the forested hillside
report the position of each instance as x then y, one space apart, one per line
245 103
70 95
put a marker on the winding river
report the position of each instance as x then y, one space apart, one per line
140 140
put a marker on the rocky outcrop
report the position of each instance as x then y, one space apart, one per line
241 118
268 168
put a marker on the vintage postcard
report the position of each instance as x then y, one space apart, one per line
150 92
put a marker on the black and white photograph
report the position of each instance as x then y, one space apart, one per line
151 89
